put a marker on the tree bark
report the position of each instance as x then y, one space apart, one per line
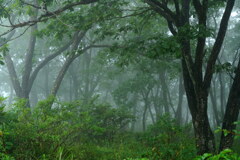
231 113
198 109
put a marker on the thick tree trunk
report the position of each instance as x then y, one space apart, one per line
205 140
198 108
231 113
29 58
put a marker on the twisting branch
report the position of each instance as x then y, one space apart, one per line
162 9
45 16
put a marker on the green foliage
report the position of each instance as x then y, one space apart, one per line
225 67
3 49
194 32
169 141
136 159
68 131
52 130
155 46
226 154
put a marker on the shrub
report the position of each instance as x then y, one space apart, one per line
226 154
169 141
50 130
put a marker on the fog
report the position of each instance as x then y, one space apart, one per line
128 61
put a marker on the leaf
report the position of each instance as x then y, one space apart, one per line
225 132
206 155
1 62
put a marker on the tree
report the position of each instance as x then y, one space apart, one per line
197 81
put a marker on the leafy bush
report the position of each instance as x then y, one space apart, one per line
52 130
226 154
170 141
69 131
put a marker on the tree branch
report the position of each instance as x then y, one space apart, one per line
218 43
50 14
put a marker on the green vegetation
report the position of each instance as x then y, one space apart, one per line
70 131
226 154
77 131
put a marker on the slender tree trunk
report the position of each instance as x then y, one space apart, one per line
34 97
164 92
10 98
87 61
66 65
187 116
62 73
134 111
214 105
222 93
46 79
151 114
144 118
70 89
156 94
180 101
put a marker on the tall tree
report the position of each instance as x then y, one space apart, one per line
197 81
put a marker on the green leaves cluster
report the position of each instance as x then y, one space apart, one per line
225 67
226 154
3 49
193 32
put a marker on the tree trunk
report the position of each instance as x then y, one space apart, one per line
46 80
164 90
222 93
180 100
144 118
151 114
214 106
231 113
87 63
205 140
198 109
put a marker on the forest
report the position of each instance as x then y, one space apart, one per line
119 79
